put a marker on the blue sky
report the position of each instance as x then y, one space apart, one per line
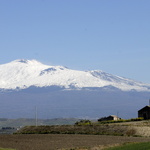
109 35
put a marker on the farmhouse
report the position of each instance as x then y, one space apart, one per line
144 112
111 117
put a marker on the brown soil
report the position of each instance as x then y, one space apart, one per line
59 141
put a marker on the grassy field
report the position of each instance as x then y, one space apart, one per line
63 141
132 146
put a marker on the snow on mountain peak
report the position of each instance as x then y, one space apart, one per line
26 61
25 73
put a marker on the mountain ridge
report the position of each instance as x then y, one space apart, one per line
22 74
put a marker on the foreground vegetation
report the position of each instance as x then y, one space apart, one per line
124 146
132 146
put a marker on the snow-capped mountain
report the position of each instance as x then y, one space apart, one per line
61 92
21 74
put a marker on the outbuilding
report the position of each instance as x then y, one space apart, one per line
111 117
144 112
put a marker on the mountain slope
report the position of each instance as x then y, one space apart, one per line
22 74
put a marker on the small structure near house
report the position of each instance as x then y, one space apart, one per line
144 112
111 117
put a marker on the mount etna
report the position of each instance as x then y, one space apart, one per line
59 92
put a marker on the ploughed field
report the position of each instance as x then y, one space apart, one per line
62 141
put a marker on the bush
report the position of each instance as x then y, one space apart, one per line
112 121
137 119
122 120
83 122
131 132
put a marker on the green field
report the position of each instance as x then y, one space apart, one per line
132 146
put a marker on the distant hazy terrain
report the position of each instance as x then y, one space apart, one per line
4 122
71 104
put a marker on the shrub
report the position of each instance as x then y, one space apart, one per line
137 119
83 122
131 132
121 120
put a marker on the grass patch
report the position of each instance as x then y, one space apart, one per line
132 146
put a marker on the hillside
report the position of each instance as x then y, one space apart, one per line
138 128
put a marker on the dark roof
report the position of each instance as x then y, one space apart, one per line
113 116
148 106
